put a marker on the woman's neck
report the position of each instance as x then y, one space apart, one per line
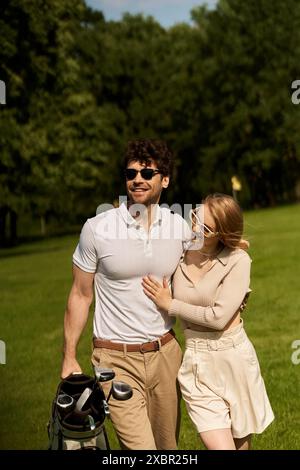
210 250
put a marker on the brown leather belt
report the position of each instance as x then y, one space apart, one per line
142 347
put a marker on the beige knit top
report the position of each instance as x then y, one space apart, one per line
217 296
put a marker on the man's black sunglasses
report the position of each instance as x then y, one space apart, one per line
146 173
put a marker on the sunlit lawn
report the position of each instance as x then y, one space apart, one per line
35 280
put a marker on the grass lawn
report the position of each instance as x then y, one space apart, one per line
34 283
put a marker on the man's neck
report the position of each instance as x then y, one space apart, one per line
146 216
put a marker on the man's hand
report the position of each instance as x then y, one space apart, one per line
70 366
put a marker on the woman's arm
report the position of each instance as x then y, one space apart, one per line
230 297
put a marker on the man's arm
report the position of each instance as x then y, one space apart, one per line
76 315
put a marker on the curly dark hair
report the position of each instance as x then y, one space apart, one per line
146 151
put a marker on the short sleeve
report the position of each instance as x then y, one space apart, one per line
85 254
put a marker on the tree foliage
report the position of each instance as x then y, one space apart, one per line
78 87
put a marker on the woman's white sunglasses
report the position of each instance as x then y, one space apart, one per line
203 228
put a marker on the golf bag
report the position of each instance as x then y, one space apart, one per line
77 417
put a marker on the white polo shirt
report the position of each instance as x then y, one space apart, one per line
120 252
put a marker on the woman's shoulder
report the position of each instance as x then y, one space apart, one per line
237 255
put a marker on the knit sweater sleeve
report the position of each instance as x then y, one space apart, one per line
234 287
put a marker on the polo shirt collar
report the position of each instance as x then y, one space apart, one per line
157 215
126 215
224 255
131 221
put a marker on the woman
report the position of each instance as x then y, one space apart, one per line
220 376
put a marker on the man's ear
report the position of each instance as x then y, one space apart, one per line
165 181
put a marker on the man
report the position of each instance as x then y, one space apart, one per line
116 249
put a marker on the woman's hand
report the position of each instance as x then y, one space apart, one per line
160 294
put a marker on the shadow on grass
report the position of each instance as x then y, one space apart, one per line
34 251
28 245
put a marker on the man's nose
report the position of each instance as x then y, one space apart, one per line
138 178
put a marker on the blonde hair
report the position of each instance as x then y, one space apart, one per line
229 220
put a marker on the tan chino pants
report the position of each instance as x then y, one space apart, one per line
150 419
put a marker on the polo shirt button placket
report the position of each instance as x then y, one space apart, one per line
139 232
147 241
148 247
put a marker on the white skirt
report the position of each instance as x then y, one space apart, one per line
221 383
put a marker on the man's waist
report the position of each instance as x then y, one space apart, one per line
148 346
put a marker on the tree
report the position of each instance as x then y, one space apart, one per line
248 73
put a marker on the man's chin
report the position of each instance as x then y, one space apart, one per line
140 198
146 198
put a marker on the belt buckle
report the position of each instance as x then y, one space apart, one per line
156 347
213 345
141 348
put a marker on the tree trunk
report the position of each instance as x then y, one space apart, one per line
3 214
13 238
43 225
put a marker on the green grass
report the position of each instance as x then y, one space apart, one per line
35 281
